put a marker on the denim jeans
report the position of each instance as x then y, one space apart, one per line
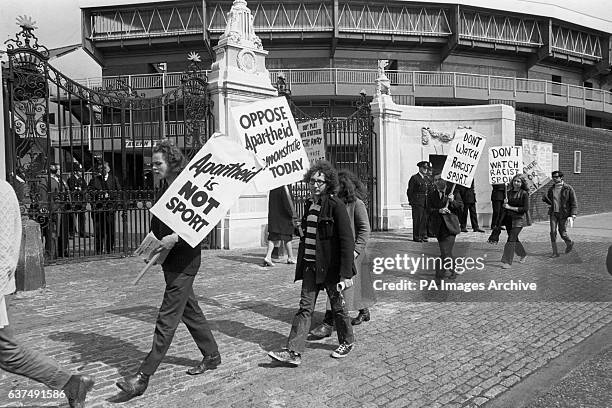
513 245
301 322
558 222
17 359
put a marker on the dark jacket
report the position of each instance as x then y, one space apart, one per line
467 194
497 194
517 218
104 192
335 243
182 258
437 225
280 212
418 188
567 201
77 187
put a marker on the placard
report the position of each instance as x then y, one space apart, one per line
267 128
203 192
465 152
505 162
313 139
536 176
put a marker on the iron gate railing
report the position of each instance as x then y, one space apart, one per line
80 158
351 144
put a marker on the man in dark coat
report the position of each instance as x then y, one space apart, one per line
498 194
78 187
104 190
418 187
562 201
469 205
438 200
325 260
54 193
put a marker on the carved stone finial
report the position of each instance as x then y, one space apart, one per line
383 84
239 28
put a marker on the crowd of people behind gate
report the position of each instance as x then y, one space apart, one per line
61 205
441 212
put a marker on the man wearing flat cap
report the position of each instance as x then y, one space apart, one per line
418 187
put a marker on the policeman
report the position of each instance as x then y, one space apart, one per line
418 187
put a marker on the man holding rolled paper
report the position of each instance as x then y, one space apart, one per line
563 208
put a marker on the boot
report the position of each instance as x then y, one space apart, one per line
324 329
208 363
555 253
134 385
363 316
77 388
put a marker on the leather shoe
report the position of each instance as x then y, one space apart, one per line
363 316
134 385
77 388
478 230
417 239
208 363
464 229
569 247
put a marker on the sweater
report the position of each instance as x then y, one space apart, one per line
10 244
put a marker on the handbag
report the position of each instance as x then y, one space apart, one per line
452 223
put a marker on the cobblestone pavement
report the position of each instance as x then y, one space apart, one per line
422 348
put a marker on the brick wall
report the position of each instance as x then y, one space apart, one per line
593 187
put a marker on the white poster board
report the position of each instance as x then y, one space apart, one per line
313 139
203 192
542 152
267 128
536 176
505 162
465 152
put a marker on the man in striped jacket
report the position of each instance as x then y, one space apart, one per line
325 261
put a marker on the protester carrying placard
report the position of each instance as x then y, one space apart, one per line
516 207
15 358
325 260
563 206
362 295
444 209
179 302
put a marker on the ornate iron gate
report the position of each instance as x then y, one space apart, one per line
80 157
350 144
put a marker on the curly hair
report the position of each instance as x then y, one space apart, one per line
351 187
523 182
172 154
331 175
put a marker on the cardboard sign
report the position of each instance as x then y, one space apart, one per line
313 139
536 176
203 192
505 162
542 152
465 152
267 128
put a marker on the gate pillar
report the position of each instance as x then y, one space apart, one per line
239 76
389 189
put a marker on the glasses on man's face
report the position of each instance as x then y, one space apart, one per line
316 181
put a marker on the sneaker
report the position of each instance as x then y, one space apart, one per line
286 356
522 259
342 350
506 266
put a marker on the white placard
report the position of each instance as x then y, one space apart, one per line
505 162
267 128
542 152
465 152
313 139
536 176
203 192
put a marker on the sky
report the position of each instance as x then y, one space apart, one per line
59 21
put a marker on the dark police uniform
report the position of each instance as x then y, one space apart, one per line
418 188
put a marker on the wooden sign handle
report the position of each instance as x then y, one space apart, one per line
148 266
